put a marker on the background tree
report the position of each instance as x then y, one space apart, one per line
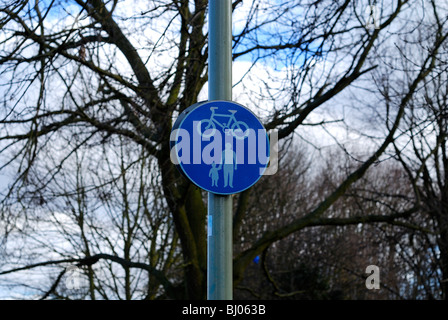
102 81
426 164
329 262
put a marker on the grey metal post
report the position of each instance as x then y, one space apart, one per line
219 244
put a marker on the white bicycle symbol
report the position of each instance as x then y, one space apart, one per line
238 129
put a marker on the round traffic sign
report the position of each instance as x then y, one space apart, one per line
221 146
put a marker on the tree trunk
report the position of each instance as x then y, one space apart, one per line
442 242
188 212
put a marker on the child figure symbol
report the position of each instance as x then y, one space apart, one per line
214 174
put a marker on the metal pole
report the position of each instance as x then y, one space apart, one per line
219 244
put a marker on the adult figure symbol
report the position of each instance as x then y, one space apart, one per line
229 165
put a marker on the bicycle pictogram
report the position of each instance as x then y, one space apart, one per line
207 127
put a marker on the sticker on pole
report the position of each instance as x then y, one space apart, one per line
220 146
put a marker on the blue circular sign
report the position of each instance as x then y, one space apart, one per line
221 146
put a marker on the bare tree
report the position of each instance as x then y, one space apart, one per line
79 75
329 261
425 161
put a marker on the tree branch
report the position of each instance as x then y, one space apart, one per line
167 285
97 9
